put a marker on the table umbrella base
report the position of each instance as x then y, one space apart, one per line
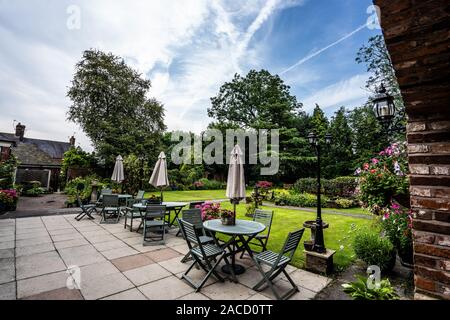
237 268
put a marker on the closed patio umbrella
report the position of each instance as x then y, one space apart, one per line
118 175
159 178
236 180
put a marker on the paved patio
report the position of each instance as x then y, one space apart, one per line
36 252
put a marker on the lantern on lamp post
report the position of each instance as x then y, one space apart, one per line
385 111
319 244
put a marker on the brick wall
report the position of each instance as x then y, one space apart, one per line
417 36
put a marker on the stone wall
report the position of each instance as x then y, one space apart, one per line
417 36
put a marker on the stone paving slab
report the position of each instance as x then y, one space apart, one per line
38 264
114 265
8 291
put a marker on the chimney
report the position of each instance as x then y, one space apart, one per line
20 131
72 141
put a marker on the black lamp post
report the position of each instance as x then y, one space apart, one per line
319 244
385 110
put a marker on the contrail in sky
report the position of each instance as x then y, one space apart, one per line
312 55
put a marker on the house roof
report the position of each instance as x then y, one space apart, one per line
37 151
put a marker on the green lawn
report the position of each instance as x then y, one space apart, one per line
286 220
191 195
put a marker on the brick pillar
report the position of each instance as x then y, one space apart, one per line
417 36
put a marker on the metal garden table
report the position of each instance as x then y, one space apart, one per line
238 233
176 207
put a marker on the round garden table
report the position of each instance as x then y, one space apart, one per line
241 234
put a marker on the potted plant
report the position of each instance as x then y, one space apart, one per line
397 224
227 217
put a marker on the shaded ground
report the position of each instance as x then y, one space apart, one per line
400 277
50 204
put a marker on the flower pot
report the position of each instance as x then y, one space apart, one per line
403 200
227 221
406 257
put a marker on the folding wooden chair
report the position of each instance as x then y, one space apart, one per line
265 217
277 263
154 219
202 254
111 209
194 217
86 210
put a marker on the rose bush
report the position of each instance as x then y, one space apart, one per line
384 177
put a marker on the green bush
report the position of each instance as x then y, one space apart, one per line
85 185
373 249
206 184
359 290
298 200
35 191
7 172
344 203
338 187
306 185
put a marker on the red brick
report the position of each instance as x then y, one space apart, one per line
443 240
444 265
419 169
432 203
442 216
431 274
424 237
425 284
418 148
440 170
420 191
432 250
416 126
426 261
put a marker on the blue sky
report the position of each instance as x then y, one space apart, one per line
186 48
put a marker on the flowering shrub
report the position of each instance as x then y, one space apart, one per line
383 177
210 210
397 224
8 199
264 184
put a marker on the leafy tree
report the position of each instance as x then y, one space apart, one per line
379 64
109 103
340 153
319 122
368 137
258 100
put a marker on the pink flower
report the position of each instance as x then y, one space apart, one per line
375 161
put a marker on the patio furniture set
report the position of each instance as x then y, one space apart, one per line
207 250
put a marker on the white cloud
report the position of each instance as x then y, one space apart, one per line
348 92
188 48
